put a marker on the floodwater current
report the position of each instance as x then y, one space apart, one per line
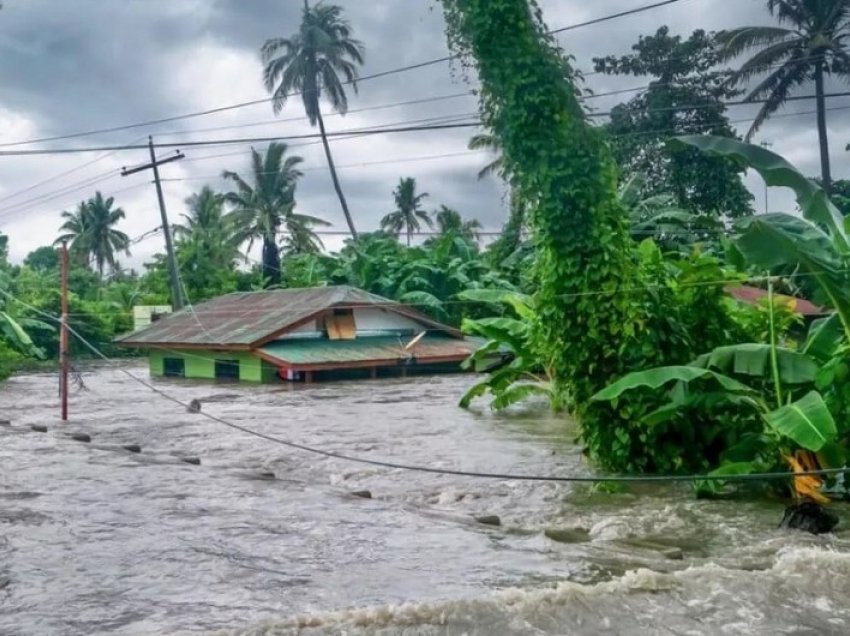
98 540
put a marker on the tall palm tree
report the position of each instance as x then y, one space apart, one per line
263 207
312 61
487 141
208 227
91 232
810 47
450 221
408 212
76 234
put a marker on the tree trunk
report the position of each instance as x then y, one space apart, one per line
334 178
408 235
826 177
271 261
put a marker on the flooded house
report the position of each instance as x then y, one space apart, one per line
306 335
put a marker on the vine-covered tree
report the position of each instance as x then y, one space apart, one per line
316 62
809 44
685 96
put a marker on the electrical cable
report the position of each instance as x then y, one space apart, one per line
441 471
403 69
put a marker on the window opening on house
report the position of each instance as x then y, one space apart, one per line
174 367
340 325
227 369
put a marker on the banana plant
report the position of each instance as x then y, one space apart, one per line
13 330
514 371
817 244
775 383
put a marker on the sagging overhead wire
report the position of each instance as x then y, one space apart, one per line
220 109
430 469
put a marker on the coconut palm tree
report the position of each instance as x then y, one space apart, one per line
408 212
262 208
808 45
76 234
310 63
450 221
91 233
487 141
208 227
300 237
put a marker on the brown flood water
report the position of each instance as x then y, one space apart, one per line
96 540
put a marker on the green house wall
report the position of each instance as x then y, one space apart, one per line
201 364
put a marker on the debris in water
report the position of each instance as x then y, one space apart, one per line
669 551
489 520
38 428
810 517
5 423
81 437
194 406
133 448
195 461
363 494
567 535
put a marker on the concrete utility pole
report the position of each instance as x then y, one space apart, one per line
63 334
176 291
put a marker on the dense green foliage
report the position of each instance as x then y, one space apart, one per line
686 95
606 294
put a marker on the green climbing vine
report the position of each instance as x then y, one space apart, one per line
592 326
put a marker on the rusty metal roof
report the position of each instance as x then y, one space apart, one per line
319 351
753 295
246 319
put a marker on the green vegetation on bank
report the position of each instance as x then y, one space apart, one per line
606 293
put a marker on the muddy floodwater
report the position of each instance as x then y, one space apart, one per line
263 539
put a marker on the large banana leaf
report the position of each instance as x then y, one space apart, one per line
508 331
17 337
776 171
781 239
520 303
824 336
818 243
807 422
753 359
660 376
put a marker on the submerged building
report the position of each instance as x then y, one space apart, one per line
306 335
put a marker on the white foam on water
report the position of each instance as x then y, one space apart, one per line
804 591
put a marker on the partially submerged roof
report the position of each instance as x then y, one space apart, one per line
754 295
307 353
244 320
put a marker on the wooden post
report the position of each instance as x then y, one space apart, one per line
374 373
63 335
308 377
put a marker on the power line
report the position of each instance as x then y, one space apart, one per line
373 130
210 111
243 140
430 469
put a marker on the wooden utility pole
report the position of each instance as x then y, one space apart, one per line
63 335
176 291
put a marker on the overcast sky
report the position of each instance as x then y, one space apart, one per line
76 65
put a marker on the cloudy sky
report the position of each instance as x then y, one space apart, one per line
78 65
